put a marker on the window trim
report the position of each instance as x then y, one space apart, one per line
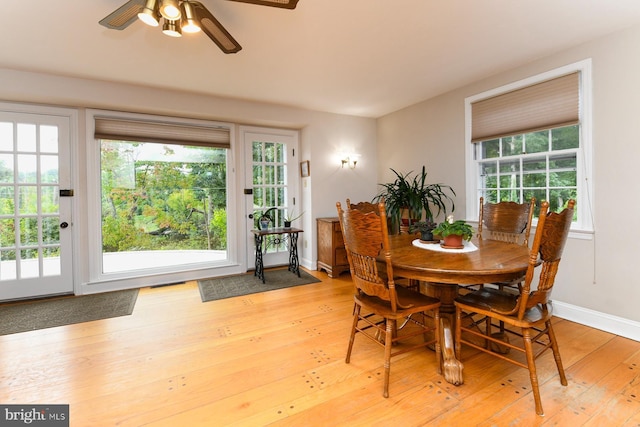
586 221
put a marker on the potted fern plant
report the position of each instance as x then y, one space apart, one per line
410 198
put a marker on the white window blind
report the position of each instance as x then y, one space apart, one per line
549 104
119 129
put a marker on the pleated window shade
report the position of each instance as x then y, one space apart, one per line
165 133
545 105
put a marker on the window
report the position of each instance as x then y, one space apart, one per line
533 139
539 164
160 195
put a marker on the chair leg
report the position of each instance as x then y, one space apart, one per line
388 342
356 316
458 334
533 375
556 352
438 348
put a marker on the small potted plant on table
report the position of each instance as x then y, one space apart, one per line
453 233
290 217
425 228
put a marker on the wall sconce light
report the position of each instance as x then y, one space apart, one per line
350 161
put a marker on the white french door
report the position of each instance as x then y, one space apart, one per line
35 203
272 177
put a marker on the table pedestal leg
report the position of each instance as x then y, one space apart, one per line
259 271
294 264
447 293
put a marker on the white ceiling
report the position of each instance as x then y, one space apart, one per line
360 57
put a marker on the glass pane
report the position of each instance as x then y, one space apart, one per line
29 265
280 153
7 201
558 198
509 181
28 231
48 139
540 195
51 261
27 168
270 197
491 196
258 198
281 177
49 169
6 136
490 149
258 177
7 233
49 200
488 168
27 200
269 175
537 142
8 265
565 138
257 151
26 137
512 145
6 168
281 196
50 230
269 152
534 172
510 195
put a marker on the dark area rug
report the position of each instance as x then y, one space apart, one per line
59 311
244 284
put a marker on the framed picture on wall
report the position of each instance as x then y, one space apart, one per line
304 168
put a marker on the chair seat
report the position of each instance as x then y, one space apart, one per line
413 301
488 300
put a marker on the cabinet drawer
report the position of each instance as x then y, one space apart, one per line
341 256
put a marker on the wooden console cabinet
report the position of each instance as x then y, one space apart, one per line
332 256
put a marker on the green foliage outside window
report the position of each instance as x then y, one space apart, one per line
162 197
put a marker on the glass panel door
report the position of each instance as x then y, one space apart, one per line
272 176
35 222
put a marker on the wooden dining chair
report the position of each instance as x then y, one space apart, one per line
378 304
365 207
505 222
527 312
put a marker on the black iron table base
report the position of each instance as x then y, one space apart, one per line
283 234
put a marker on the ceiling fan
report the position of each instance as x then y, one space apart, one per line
182 16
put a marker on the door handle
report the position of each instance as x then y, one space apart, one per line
250 216
64 224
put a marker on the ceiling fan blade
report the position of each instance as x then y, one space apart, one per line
123 16
285 4
214 29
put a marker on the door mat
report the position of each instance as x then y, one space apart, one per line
244 284
58 311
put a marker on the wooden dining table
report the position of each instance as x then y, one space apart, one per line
442 272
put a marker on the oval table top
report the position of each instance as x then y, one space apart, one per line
494 261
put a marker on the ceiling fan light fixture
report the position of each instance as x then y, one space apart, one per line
170 9
189 21
171 28
149 14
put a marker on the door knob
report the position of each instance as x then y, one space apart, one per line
64 225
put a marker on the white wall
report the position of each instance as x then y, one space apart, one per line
321 135
597 277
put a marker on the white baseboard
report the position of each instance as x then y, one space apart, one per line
595 319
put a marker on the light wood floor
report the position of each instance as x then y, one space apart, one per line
277 358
